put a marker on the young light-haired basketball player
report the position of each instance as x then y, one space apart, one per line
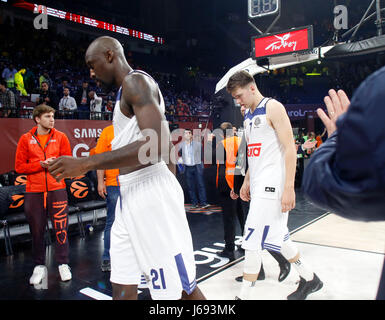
269 184
150 233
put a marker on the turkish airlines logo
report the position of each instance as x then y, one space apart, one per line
282 43
288 42
254 150
18 201
79 189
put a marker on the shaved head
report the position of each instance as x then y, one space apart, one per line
103 44
107 62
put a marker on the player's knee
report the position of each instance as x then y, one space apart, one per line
252 265
124 292
195 295
290 251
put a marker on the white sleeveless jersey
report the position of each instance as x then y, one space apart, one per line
126 130
265 154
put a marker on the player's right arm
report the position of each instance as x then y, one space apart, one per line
245 189
140 93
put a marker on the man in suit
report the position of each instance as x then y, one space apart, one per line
83 101
190 151
48 96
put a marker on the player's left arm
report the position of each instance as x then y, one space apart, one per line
280 121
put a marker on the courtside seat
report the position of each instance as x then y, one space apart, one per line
82 195
11 211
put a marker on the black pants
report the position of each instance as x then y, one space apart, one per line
232 210
54 204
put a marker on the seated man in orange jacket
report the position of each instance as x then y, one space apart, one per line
44 195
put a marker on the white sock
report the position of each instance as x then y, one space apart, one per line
246 288
303 270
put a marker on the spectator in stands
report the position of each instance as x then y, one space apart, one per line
98 89
47 96
182 110
7 100
108 109
320 138
312 142
108 189
45 78
67 105
44 196
191 152
83 101
170 113
60 89
95 106
29 80
9 75
19 82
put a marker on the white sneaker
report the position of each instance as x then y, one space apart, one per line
39 273
65 272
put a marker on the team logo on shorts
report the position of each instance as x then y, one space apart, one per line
269 189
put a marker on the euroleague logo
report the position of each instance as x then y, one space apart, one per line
20 180
79 189
18 201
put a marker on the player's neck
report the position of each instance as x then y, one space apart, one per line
124 69
257 101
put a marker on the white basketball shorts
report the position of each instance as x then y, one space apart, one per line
151 235
266 226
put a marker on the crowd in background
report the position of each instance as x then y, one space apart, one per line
41 76
38 66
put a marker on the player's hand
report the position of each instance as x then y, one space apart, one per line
46 162
67 167
337 103
233 195
245 191
102 190
288 199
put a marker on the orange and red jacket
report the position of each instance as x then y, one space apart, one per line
231 145
30 152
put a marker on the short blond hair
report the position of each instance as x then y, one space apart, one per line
240 79
39 110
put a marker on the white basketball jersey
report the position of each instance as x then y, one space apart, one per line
126 130
265 153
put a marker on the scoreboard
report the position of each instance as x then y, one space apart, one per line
260 8
87 21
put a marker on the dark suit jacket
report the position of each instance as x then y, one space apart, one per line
79 94
54 101
346 175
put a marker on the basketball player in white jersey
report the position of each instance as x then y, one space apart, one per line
150 233
269 184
